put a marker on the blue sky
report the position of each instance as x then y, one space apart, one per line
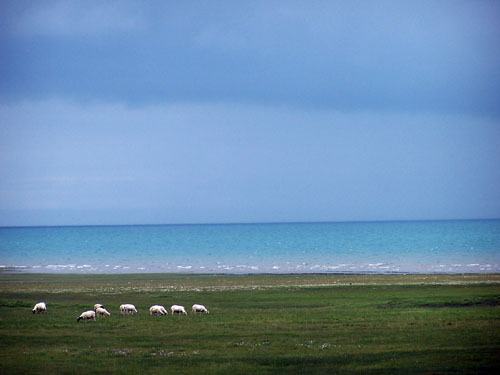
223 111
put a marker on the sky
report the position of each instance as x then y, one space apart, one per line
126 112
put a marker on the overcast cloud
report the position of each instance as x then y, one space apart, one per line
223 111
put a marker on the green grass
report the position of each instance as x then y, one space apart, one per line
258 324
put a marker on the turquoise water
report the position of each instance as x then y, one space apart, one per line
371 247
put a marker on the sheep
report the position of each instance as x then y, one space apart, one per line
97 305
128 308
176 309
158 310
87 315
200 309
101 311
39 308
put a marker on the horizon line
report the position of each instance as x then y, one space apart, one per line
246 223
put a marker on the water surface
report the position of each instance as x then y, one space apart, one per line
379 247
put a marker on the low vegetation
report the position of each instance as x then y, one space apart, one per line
258 324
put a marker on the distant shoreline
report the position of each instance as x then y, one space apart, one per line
26 270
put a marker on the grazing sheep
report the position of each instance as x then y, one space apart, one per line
176 309
200 309
97 305
158 310
39 308
101 311
87 315
128 308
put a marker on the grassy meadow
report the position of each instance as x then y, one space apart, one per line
258 324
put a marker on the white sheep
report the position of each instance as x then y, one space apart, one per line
87 315
97 305
128 308
176 309
199 309
158 310
39 308
101 311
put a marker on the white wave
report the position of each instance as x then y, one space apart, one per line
375 264
184 267
276 267
473 265
57 266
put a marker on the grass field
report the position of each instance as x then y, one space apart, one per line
258 324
